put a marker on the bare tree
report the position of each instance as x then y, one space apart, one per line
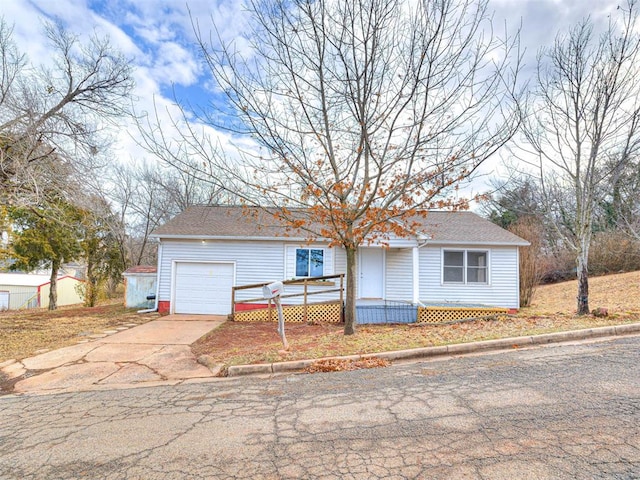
52 117
368 112
587 112
361 115
147 195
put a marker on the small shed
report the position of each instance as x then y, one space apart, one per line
140 286
26 290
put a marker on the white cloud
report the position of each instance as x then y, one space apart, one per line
159 36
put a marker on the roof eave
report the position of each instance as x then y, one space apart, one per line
232 237
488 244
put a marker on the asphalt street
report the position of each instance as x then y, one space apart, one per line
562 411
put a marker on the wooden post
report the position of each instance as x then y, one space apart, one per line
233 303
304 308
341 297
276 300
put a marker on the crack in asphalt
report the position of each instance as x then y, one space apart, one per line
559 412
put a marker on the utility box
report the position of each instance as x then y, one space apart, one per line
140 286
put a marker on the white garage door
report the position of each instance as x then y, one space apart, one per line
203 288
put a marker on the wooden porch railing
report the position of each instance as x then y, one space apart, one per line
305 282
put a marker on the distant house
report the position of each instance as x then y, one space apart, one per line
456 257
23 290
140 286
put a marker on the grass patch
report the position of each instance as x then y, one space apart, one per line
244 343
551 311
23 333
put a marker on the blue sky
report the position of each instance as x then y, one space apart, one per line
158 35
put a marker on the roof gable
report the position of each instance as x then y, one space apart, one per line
243 223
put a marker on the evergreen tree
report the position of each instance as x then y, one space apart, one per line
45 236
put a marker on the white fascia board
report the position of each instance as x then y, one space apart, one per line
234 238
436 243
393 243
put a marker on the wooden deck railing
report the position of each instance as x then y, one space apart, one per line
323 281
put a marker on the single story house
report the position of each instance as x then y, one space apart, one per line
140 286
26 290
456 257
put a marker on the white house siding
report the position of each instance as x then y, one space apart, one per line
339 260
290 259
329 269
399 271
502 290
255 262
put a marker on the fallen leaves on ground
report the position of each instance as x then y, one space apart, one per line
343 365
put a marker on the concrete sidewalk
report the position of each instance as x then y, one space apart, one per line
154 353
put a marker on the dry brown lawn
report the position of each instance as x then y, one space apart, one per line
619 293
239 343
24 333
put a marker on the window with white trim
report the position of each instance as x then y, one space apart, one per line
465 266
309 262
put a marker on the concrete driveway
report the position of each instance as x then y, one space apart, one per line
155 353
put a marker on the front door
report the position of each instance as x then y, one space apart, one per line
371 272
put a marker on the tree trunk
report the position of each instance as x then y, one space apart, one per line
350 297
53 284
91 285
583 284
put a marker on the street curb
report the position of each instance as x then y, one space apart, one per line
455 349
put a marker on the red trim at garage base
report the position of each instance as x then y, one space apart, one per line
240 307
243 307
512 311
164 307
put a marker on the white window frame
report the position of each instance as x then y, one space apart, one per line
465 266
295 261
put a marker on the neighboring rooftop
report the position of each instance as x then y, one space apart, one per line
23 279
140 269
240 222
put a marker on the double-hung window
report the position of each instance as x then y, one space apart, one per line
309 262
465 266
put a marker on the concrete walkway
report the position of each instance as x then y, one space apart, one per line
155 353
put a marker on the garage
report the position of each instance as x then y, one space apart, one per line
203 288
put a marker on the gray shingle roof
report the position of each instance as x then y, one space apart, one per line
220 221
466 227
239 222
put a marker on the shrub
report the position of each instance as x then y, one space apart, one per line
613 252
530 229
